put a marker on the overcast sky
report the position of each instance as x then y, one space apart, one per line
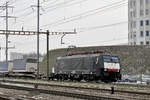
94 20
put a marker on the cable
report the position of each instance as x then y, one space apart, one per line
24 15
107 41
84 29
85 14
62 21
23 10
65 5
60 4
80 14
57 24
54 6
99 27
49 3
45 8
12 2
114 39
3 8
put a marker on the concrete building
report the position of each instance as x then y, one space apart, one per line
139 22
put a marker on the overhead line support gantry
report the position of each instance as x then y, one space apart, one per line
28 33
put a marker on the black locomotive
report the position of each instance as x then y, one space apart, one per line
89 66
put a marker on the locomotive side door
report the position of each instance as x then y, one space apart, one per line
98 65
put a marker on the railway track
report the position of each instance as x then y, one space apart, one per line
62 85
60 93
113 84
74 91
4 97
8 97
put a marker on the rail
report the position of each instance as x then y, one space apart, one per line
60 93
75 87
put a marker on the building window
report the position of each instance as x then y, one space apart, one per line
141 33
147 2
147 42
141 43
134 24
131 14
134 43
141 12
134 13
147 33
134 3
134 35
131 25
131 4
147 22
141 23
141 2
147 11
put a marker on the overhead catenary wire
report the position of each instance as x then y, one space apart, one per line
112 40
24 15
53 7
83 29
29 7
91 28
62 22
123 0
106 41
63 5
47 1
59 4
86 14
31 12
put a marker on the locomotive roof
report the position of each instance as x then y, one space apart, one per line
80 56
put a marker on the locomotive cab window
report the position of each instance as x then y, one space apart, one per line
107 58
110 59
115 59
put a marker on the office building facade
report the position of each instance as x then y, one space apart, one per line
139 22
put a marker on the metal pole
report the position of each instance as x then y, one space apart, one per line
38 29
7 33
47 55
112 90
0 52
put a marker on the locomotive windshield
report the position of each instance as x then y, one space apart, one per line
110 59
115 59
